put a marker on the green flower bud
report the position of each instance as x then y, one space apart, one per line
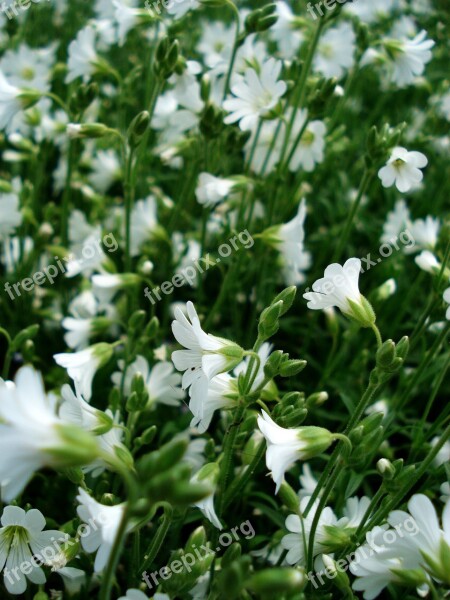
386 469
78 447
386 354
87 130
26 334
138 128
232 554
289 497
276 581
316 399
152 328
272 366
361 312
402 348
163 459
292 367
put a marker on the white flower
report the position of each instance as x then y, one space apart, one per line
83 57
308 482
178 9
443 456
370 11
79 326
409 58
339 287
427 261
403 169
288 39
447 300
74 409
416 542
291 245
445 491
208 396
336 49
33 436
126 16
395 223
211 190
11 101
105 170
104 522
82 366
21 538
111 447
10 215
256 95
424 233
135 594
287 446
144 221
208 474
161 382
300 529
310 150
204 352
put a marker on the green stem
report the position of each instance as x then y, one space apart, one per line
300 92
239 484
228 445
159 538
365 181
67 194
129 201
108 576
7 362
419 372
234 51
410 483
377 335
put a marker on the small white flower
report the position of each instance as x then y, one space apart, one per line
310 150
443 456
135 594
13 100
204 352
409 58
208 474
300 529
403 169
74 409
10 215
255 95
295 258
336 51
339 287
21 538
395 223
447 300
33 436
83 56
104 522
284 31
427 261
212 190
79 326
208 396
161 382
286 446
126 17
82 366
105 170
425 234
144 222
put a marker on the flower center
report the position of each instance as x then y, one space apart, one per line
27 73
326 50
308 138
14 536
398 163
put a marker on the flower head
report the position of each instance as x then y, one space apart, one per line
403 169
286 446
339 287
256 95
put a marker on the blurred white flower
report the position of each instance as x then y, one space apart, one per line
83 58
335 52
211 190
409 57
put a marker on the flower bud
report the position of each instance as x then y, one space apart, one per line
386 469
270 582
87 130
138 128
292 367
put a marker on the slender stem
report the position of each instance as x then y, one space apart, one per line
300 91
67 194
410 483
239 484
108 576
129 200
419 372
7 362
377 335
228 445
295 144
234 51
159 538
365 181
353 422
